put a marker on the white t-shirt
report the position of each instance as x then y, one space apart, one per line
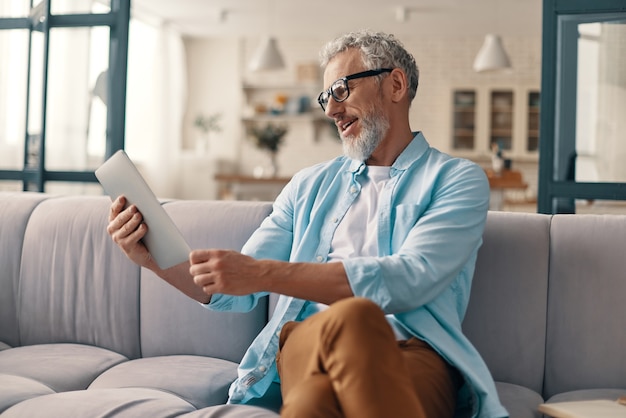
351 237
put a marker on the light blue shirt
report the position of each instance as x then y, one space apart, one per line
431 219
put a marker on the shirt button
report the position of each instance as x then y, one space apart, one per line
335 220
353 189
261 369
278 333
319 258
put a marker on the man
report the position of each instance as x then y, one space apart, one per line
372 253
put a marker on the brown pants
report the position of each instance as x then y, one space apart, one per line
346 362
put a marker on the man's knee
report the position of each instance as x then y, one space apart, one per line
359 317
357 309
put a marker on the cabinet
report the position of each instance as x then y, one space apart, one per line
532 131
464 115
508 116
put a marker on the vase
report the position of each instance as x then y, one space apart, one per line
269 168
273 164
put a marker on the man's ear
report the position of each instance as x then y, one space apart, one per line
399 85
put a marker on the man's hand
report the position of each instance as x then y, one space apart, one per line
226 272
126 228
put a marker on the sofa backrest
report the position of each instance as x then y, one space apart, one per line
171 323
65 281
586 322
506 316
75 284
15 210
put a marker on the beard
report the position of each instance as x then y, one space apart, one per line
374 127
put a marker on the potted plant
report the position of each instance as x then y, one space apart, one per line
268 138
205 124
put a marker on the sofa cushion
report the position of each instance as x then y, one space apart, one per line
232 411
15 210
588 395
201 381
62 367
16 389
586 329
171 323
75 284
520 402
102 403
506 315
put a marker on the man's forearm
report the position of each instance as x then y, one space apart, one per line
324 283
179 277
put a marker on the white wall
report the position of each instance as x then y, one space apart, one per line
217 70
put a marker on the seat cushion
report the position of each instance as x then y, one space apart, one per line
588 395
519 401
16 389
102 403
232 411
201 381
61 367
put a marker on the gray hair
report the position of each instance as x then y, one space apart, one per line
378 50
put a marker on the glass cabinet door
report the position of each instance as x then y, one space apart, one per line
464 130
502 119
532 128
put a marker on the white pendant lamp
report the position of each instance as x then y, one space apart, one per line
492 55
267 56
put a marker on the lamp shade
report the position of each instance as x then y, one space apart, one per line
492 55
267 57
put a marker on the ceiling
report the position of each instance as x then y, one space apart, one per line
328 18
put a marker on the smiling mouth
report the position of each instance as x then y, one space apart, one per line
343 126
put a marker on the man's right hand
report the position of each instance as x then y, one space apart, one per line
126 228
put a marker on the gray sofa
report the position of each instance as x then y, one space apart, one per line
85 333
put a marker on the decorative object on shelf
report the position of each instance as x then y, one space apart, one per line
497 162
268 138
308 72
205 124
492 55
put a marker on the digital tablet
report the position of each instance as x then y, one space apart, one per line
119 176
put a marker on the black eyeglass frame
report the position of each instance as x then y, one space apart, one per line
325 95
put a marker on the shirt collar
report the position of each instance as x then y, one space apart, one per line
416 148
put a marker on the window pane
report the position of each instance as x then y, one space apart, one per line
601 103
14 8
64 7
76 109
10 186
73 188
601 207
14 58
35 98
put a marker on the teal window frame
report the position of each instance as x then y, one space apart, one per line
41 20
557 191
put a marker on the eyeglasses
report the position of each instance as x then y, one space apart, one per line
340 91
